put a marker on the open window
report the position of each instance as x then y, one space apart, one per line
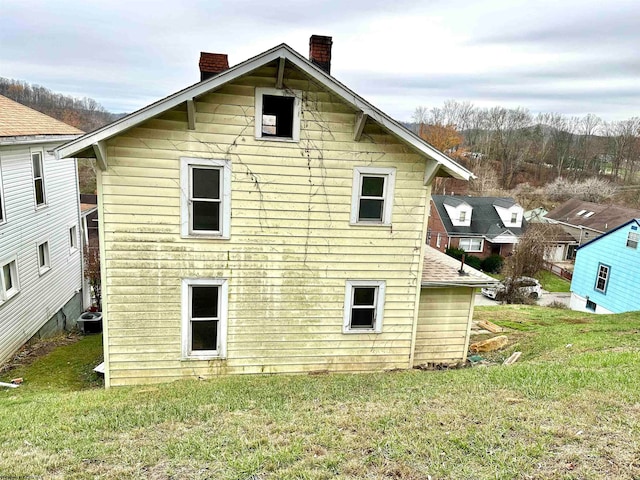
205 197
364 306
204 318
277 114
372 195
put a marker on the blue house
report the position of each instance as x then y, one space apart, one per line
606 277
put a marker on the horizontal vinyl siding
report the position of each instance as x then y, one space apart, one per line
291 248
40 297
443 325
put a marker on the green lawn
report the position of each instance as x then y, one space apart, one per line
553 283
570 408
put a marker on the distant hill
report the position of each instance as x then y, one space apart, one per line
83 113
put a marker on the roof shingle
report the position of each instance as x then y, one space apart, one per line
18 120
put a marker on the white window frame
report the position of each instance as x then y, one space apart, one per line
5 294
73 238
3 210
380 286
296 95
604 277
470 240
387 196
633 242
42 269
462 216
34 178
514 217
223 298
186 165
438 239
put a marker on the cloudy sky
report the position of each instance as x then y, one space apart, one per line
568 56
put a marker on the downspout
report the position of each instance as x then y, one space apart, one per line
79 233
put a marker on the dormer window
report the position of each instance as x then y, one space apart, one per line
463 216
514 217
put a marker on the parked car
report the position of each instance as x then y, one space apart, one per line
527 286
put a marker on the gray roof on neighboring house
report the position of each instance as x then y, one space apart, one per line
454 201
603 218
441 270
485 220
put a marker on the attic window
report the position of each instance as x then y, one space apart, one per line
463 216
632 240
514 217
277 114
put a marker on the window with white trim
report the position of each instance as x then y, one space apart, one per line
277 114
3 217
471 244
38 179
9 285
603 278
73 239
372 195
364 306
44 263
514 217
205 197
438 238
462 217
632 240
204 318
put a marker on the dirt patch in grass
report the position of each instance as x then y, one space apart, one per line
36 349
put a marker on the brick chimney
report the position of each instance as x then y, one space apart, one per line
320 52
212 64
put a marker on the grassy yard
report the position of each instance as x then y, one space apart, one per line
570 408
552 283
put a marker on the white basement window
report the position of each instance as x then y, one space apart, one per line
364 306
372 195
277 114
204 318
205 197
471 244
44 262
9 285
38 179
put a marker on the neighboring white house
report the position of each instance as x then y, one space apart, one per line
40 241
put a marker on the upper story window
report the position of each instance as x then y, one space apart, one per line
73 239
3 217
364 306
632 240
38 179
277 114
9 285
603 278
372 195
514 217
204 318
205 197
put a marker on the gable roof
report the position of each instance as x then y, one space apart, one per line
603 219
441 270
635 220
83 146
17 120
485 220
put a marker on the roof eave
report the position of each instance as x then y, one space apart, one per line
450 167
33 139
474 284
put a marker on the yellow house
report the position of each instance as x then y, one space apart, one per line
269 220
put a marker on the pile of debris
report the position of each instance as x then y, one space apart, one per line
490 344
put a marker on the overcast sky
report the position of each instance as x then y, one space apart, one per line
568 56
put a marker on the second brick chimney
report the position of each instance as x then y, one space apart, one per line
320 52
212 64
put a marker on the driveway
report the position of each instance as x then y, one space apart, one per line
546 299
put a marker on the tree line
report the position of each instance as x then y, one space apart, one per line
83 113
539 148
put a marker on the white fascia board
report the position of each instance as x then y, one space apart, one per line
35 139
283 50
